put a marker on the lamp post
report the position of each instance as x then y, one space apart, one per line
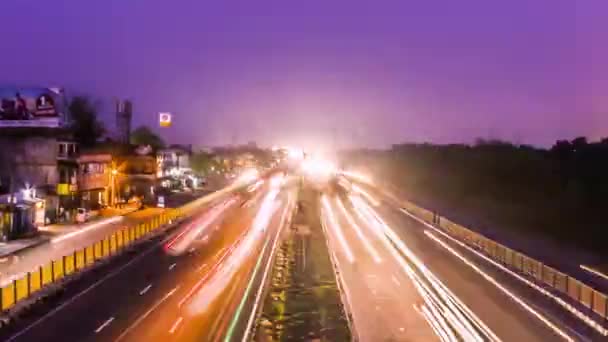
113 198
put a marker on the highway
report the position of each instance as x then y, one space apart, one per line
407 282
200 283
70 238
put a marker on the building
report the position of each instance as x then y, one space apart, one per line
136 170
95 179
124 113
37 160
174 161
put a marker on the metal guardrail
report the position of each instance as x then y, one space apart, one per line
562 283
56 270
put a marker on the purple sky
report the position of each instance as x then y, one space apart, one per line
372 73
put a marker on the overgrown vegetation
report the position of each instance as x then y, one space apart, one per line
560 192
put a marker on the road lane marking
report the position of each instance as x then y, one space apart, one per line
172 266
594 271
146 314
396 281
145 289
579 314
175 325
105 324
266 270
494 282
85 291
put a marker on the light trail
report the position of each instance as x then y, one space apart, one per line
227 268
573 310
494 282
366 243
366 194
594 271
258 298
184 239
335 227
443 309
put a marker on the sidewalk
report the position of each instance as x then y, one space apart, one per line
47 232
12 247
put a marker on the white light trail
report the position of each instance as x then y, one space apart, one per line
335 227
437 297
227 269
366 243
494 282
367 195
183 240
573 310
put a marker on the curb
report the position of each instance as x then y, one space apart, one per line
17 251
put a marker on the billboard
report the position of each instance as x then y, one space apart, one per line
164 119
31 107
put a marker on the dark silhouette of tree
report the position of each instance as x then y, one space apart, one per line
561 192
202 162
85 125
143 135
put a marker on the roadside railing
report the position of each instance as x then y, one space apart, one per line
56 270
559 282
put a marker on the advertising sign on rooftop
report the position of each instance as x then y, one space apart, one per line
164 119
31 107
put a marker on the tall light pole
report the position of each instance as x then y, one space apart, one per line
113 198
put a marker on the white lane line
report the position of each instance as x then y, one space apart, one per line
200 268
146 314
175 325
594 271
576 312
172 266
494 282
258 295
145 289
396 281
105 324
85 291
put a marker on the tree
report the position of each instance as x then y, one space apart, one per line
202 162
85 125
143 135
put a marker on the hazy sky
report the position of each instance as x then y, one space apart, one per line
301 72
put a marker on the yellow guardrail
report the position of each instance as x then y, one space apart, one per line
550 277
55 270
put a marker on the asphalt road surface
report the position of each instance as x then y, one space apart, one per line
198 284
406 281
68 239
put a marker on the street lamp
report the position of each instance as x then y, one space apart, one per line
114 172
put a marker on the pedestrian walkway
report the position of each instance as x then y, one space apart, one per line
50 231
8 248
